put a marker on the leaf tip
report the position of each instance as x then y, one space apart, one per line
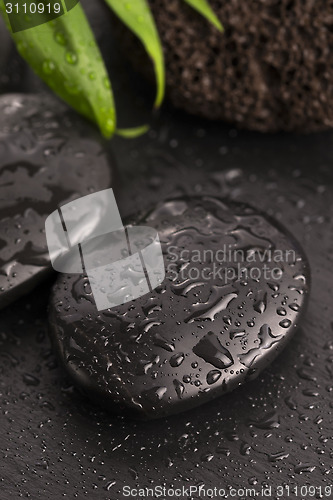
219 26
132 133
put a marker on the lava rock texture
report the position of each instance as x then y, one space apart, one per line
48 156
271 70
201 333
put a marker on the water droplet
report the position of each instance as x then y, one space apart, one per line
235 334
245 449
285 323
291 403
227 320
60 38
163 343
280 455
72 88
154 394
211 350
270 421
179 387
107 83
207 457
267 339
303 468
213 376
223 451
109 124
217 302
143 367
71 57
177 360
261 302
306 374
48 67
30 379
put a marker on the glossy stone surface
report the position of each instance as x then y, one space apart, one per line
222 314
48 156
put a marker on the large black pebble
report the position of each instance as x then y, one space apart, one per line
193 338
48 156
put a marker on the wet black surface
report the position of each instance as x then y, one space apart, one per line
235 289
274 430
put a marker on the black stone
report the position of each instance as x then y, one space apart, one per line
48 156
172 350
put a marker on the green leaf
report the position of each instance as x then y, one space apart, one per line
138 18
64 53
132 133
203 7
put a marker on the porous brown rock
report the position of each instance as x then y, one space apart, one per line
271 70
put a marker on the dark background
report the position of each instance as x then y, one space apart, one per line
273 431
